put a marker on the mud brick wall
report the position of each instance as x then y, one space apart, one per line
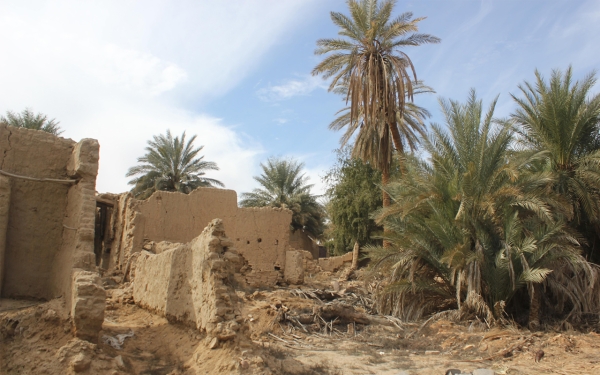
48 226
333 264
261 235
300 240
191 283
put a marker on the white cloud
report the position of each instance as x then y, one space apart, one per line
291 88
281 121
121 72
133 70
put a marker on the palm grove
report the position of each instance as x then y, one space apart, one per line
500 220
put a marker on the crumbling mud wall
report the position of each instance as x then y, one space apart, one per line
333 264
261 235
193 283
49 215
301 240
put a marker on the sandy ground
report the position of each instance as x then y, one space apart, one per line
35 338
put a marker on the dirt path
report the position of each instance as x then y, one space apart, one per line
37 340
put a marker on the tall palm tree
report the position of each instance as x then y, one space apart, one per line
29 120
171 164
412 125
284 185
560 121
473 231
368 61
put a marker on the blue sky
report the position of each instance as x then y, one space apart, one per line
237 73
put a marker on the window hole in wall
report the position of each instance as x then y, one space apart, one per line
276 242
247 242
259 240
277 268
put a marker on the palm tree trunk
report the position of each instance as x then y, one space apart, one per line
534 308
355 253
387 201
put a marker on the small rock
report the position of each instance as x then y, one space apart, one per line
244 364
120 362
402 373
484 371
539 355
50 315
467 347
80 362
214 343
432 352
453 371
335 285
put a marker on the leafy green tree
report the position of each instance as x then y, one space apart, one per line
353 195
368 61
284 185
559 121
29 120
473 231
171 164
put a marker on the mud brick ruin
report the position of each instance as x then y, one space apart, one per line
185 254
47 213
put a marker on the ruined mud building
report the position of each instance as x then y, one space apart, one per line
185 253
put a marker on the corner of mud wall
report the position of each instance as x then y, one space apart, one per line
190 283
4 206
77 250
128 227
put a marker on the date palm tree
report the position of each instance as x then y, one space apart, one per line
171 164
29 120
284 185
369 62
474 232
559 120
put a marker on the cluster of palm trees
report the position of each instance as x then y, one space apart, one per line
502 217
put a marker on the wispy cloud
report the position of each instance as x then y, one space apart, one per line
290 88
281 121
121 72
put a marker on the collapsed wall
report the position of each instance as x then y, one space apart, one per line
48 207
193 283
260 235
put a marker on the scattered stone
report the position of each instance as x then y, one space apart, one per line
80 362
484 371
73 348
214 343
453 371
50 316
432 352
469 346
539 355
120 362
